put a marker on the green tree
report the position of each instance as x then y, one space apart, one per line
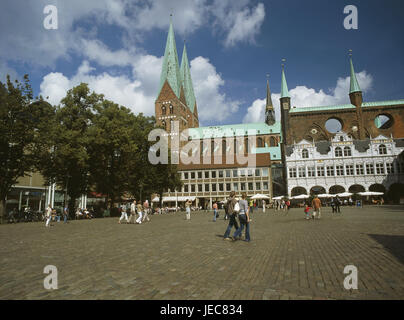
112 150
20 125
67 161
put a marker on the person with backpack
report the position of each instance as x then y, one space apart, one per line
244 219
232 208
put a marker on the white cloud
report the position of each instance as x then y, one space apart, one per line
247 25
235 18
212 103
301 97
139 91
120 89
98 51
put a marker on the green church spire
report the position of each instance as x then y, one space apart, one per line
170 70
187 81
354 86
284 85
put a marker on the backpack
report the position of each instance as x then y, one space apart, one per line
236 208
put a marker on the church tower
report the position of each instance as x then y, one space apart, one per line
175 99
355 95
269 108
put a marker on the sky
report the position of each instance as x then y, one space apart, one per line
117 47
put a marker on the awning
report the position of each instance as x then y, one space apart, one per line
173 199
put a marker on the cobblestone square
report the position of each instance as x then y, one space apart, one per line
171 258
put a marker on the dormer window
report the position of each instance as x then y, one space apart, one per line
382 149
347 152
338 152
305 154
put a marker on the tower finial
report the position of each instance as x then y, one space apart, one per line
350 52
283 62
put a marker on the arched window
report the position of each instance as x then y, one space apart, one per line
163 123
305 154
171 109
260 143
163 110
246 145
338 152
272 142
382 149
347 152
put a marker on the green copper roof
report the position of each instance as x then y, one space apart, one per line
284 86
322 108
187 81
383 103
232 130
171 70
354 87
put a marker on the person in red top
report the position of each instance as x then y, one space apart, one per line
316 204
214 211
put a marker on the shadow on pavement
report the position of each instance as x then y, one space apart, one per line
393 244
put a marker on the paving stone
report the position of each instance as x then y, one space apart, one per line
170 258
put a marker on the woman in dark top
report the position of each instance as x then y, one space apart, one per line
244 219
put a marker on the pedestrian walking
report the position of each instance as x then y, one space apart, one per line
48 215
307 211
214 211
139 209
263 206
226 212
132 216
124 215
188 209
287 206
244 219
146 211
65 213
336 203
316 204
232 210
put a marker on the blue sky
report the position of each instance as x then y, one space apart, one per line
117 46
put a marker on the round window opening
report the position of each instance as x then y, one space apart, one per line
333 125
383 121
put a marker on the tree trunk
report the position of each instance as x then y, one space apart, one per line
72 212
2 211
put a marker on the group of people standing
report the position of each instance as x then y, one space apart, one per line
239 209
135 208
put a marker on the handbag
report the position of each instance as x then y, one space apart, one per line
236 208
